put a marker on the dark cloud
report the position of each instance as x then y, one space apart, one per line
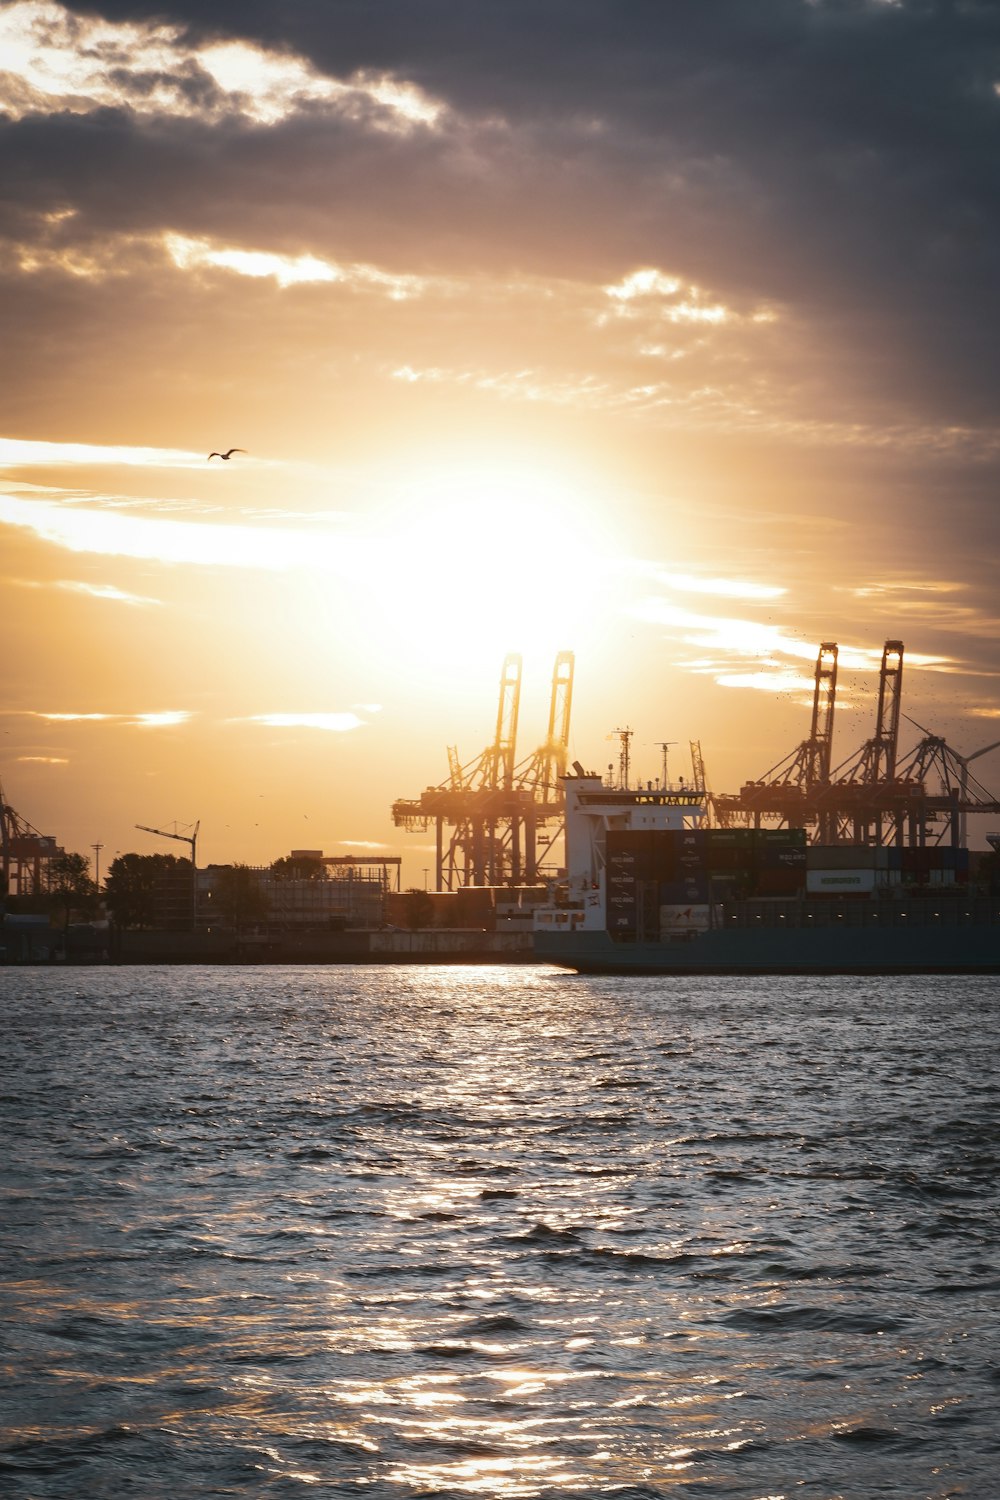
835 159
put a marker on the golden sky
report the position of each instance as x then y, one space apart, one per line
667 344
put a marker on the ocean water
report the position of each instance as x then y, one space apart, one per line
394 1232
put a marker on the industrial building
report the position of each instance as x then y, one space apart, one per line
340 891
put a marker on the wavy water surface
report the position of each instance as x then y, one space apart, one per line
497 1231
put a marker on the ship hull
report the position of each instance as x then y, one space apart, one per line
972 949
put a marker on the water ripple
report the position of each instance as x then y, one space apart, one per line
503 1233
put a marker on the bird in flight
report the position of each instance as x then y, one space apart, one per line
227 455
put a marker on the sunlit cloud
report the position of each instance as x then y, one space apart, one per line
359 844
746 638
719 406
907 586
780 680
767 645
188 253
59 61
43 760
773 677
286 270
635 294
694 312
105 591
71 718
18 453
51 248
530 385
210 544
733 588
646 283
338 723
163 719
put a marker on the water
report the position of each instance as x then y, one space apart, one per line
497 1231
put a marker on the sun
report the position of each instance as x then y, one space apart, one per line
501 559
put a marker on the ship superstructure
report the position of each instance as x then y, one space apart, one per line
650 889
595 812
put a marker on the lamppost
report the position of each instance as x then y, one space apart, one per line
97 864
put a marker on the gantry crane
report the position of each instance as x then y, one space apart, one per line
541 774
793 789
493 816
873 797
25 853
185 838
958 792
698 768
870 802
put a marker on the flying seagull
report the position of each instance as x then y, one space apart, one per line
227 455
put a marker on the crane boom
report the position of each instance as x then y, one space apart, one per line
164 833
184 838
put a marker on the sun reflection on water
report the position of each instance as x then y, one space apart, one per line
483 1232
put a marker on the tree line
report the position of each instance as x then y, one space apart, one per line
155 890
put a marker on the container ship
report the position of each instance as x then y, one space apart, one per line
650 889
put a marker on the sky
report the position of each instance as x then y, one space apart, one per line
660 331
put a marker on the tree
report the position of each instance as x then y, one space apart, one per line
70 883
150 890
419 909
299 867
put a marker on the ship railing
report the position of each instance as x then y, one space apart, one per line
926 912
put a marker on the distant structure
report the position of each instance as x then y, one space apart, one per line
314 891
25 853
873 798
496 819
191 839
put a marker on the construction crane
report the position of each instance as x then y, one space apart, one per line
493 815
185 838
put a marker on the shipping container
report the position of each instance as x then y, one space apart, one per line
780 882
631 849
931 857
840 882
693 917
841 857
737 857
680 892
782 857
